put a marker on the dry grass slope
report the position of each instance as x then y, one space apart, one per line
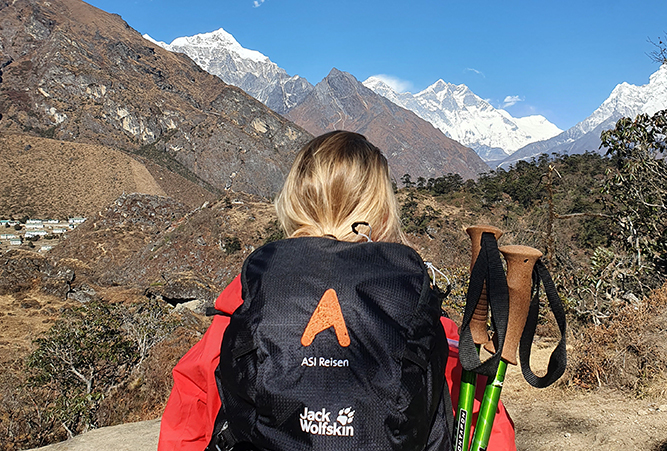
50 178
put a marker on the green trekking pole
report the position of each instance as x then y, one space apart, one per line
520 261
478 328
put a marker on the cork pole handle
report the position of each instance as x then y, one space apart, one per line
478 326
520 262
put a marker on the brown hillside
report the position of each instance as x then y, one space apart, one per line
142 240
412 145
57 179
75 73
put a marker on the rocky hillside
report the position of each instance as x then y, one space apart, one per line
158 245
75 73
411 144
162 248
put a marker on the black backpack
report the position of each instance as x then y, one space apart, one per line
337 346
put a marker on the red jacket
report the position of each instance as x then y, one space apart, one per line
194 402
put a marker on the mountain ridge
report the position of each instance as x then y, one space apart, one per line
411 144
72 72
220 54
625 100
465 117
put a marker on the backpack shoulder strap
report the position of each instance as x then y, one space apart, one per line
222 438
212 311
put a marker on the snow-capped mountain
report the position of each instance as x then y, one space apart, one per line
411 144
467 118
220 54
625 100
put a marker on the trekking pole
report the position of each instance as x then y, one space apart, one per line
520 261
478 328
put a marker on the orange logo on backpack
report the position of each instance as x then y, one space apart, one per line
326 315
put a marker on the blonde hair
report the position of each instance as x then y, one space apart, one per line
337 179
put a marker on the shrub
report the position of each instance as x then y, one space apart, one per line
77 362
627 352
89 353
231 245
637 185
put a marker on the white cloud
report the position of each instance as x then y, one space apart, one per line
511 100
257 3
478 72
395 83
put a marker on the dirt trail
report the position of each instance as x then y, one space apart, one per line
555 418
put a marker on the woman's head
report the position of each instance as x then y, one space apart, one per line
337 179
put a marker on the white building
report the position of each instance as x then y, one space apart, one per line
36 233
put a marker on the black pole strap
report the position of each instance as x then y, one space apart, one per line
488 268
558 358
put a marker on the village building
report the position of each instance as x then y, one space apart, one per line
36 233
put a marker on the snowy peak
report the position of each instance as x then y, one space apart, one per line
449 96
465 117
219 39
160 43
377 85
534 125
208 49
628 100
220 54
625 100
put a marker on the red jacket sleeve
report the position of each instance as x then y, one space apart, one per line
187 422
502 435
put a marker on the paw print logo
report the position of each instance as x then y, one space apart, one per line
345 416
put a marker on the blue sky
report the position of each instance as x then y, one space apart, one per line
559 58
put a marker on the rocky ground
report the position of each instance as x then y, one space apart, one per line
140 436
558 418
